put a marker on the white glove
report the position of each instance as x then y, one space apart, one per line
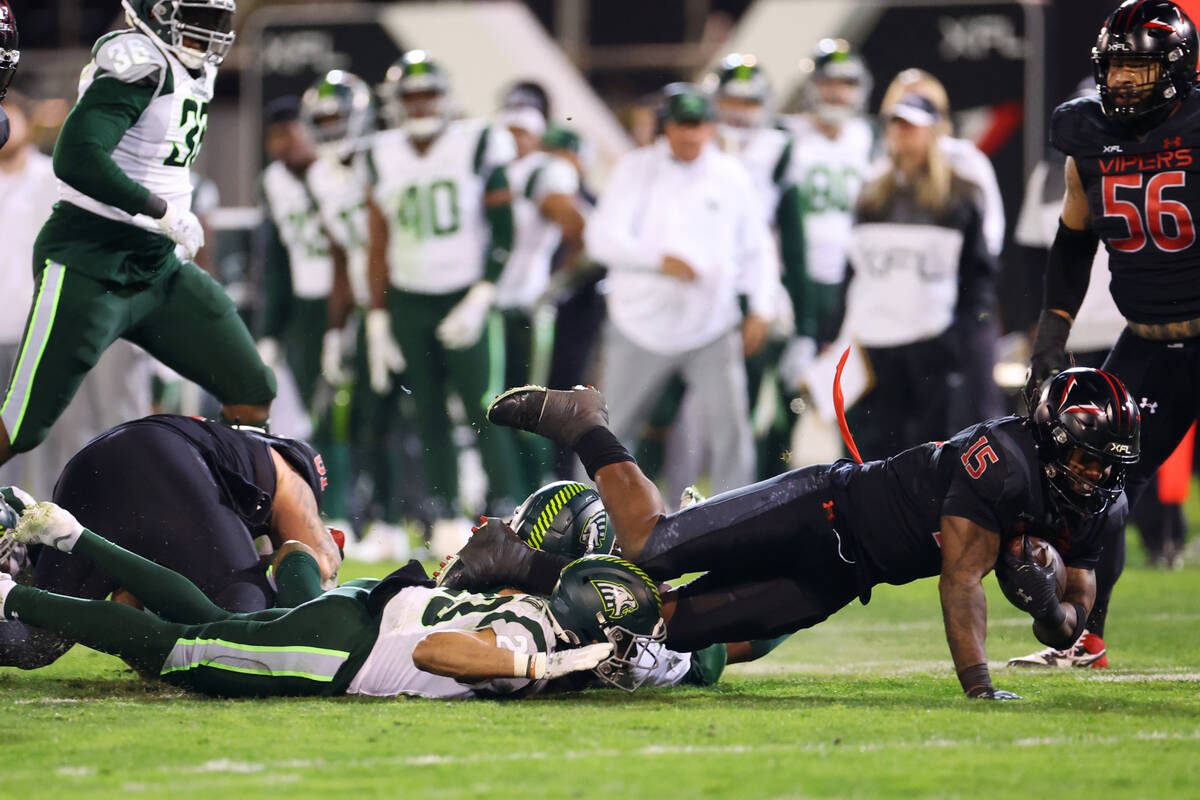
799 353
268 350
564 662
383 354
183 228
331 358
463 326
48 524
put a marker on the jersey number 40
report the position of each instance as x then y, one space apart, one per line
1158 210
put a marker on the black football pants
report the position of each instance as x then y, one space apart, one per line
774 561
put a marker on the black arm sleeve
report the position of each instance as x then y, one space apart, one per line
82 156
1069 268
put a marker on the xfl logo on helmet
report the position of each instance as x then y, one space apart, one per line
618 600
1118 447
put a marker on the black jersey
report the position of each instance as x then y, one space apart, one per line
988 473
1144 198
239 461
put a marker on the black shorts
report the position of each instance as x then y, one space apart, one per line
774 561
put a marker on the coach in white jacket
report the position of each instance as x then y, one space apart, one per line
679 228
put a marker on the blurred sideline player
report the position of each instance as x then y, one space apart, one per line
301 292
548 223
339 111
1142 205
440 227
787 553
382 638
118 388
10 56
188 494
105 263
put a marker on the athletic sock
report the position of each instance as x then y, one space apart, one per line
297 580
760 647
598 448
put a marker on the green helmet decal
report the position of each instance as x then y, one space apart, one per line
567 518
616 598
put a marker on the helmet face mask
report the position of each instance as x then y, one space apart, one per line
607 599
1144 63
1088 431
415 96
198 32
339 110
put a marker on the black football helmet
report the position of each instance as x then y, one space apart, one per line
1086 413
1146 32
566 518
10 47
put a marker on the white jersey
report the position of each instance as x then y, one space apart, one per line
905 285
766 155
159 149
830 173
973 164
341 198
521 623
527 273
26 198
433 203
294 212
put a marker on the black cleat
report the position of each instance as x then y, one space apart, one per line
560 415
493 558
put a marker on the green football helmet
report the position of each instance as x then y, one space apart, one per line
739 76
566 518
339 108
834 60
608 599
416 73
196 31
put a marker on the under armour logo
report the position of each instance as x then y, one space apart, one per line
1113 148
1176 142
1146 404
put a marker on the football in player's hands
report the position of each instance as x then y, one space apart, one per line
1032 550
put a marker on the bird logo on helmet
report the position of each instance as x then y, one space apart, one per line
414 95
608 599
196 31
1085 417
1145 35
566 518
339 108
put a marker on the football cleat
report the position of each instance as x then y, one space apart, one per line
493 558
1088 651
563 416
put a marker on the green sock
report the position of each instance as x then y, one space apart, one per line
760 647
297 580
707 665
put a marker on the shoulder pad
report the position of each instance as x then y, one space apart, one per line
1079 127
130 57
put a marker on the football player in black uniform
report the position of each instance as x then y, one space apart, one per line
786 553
10 55
190 495
1133 182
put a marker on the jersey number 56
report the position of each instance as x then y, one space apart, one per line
1158 210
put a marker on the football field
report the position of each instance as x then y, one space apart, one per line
865 705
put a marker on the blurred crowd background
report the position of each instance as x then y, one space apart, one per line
896 162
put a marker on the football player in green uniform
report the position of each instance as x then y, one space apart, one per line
400 635
106 263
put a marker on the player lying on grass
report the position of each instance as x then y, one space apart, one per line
786 553
399 635
190 495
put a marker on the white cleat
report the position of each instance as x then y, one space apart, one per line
1088 651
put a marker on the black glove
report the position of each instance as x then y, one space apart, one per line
1029 586
978 684
1049 353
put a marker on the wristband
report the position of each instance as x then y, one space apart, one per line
532 667
976 680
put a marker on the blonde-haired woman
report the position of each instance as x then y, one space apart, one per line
921 276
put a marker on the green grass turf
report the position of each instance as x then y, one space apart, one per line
865 705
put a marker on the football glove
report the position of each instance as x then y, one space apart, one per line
463 326
383 354
16 497
48 524
183 228
1049 354
1029 586
989 693
563 662
331 358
